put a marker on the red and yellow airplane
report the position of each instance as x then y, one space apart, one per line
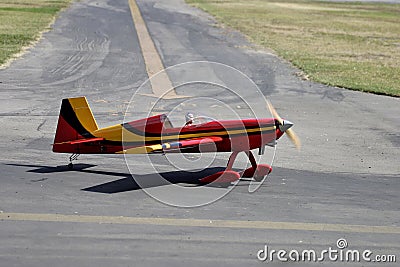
78 133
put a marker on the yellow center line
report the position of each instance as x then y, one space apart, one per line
266 225
161 84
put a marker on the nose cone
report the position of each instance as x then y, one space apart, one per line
285 125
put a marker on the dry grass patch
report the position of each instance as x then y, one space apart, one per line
351 45
21 23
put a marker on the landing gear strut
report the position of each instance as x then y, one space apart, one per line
258 172
72 158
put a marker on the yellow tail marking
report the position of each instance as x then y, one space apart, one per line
83 112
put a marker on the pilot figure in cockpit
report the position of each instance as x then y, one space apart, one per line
189 119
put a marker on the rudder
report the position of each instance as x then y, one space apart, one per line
76 120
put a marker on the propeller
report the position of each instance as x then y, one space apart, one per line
289 131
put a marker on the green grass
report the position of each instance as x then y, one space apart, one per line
350 45
22 21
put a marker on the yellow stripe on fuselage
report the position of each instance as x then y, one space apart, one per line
119 133
141 149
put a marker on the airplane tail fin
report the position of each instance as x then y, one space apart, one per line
75 121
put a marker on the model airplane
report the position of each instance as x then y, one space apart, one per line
78 133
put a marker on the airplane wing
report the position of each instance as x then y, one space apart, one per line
87 140
169 146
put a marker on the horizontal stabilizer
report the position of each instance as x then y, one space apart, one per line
88 140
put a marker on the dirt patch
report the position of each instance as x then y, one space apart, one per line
308 7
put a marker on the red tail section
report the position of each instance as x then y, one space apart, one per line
75 121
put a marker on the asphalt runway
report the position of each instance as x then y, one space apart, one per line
343 184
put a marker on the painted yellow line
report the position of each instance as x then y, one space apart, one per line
266 225
161 84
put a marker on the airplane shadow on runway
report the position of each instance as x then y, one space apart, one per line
127 183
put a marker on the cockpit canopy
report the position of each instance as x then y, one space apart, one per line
155 124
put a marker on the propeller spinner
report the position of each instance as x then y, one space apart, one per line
285 126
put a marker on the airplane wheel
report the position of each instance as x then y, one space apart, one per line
248 173
262 171
224 177
70 166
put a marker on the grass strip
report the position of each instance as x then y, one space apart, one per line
22 22
345 44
